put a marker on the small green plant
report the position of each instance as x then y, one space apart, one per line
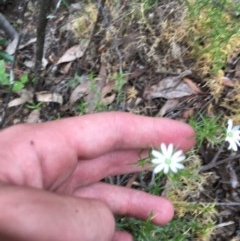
120 81
5 81
3 55
97 96
4 77
34 105
207 129
148 4
20 84
81 107
141 230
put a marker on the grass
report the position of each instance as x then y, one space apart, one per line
208 129
119 82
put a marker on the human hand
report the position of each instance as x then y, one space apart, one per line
50 174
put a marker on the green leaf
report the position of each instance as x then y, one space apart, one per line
24 78
2 41
6 57
4 77
17 86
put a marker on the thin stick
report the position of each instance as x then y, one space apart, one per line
213 162
211 165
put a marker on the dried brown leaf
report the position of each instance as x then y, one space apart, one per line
192 85
66 68
25 96
44 96
12 46
16 102
108 95
34 117
228 82
75 52
188 113
168 89
169 104
79 92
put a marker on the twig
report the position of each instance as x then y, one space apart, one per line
209 203
213 161
214 164
227 204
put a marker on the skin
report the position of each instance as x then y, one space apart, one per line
50 173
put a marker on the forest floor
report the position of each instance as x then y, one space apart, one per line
155 58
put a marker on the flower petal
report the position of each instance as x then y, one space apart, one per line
166 169
164 149
173 168
158 168
232 145
230 124
169 151
237 143
156 161
179 159
156 154
179 166
235 128
177 154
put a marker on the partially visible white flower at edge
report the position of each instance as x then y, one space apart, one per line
233 136
167 159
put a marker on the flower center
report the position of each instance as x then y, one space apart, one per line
168 161
230 134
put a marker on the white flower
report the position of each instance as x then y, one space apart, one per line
167 159
233 136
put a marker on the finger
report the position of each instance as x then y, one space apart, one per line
129 202
31 214
96 134
111 164
51 150
122 236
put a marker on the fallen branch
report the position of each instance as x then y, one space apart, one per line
214 164
44 6
7 27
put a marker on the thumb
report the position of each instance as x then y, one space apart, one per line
29 214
